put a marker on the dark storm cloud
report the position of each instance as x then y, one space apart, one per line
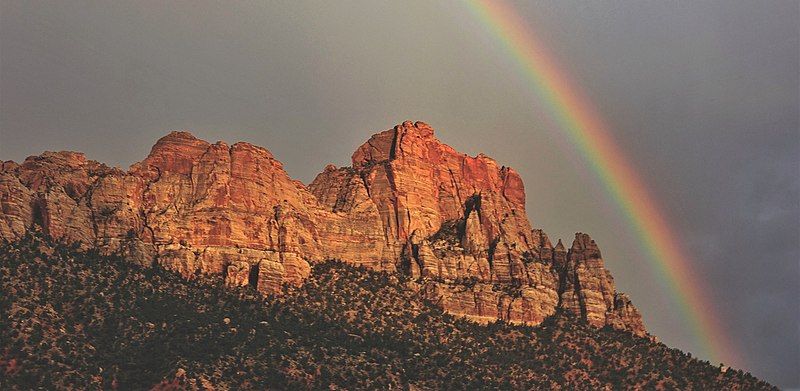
702 95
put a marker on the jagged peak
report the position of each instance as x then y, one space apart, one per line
540 238
583 241
68 157
416 138
560 247
61 160
178 135
179 150
418 127
177 140
386 145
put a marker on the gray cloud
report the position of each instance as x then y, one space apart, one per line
703 96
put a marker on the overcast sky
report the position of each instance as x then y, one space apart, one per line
702 96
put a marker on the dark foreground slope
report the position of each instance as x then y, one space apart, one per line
84 321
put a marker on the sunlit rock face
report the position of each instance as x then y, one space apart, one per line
408 204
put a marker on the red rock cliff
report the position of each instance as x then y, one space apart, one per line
408 204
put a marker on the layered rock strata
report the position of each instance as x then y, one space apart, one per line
408 204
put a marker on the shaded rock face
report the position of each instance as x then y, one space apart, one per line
408 204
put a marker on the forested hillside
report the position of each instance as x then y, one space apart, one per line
79 320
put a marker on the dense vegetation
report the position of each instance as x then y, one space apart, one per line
78 320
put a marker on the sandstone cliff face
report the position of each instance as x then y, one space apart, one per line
408 204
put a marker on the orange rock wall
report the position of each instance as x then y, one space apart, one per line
408 204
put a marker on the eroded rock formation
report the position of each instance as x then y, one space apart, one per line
408 204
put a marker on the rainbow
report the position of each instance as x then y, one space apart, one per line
584 128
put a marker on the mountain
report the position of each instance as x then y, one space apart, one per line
408 204
444 229
81 320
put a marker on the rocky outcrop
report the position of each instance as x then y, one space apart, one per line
418 184
408 204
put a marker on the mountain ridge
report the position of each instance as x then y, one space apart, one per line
408 204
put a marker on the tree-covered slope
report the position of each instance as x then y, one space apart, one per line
73 320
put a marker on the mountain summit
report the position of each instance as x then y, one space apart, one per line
409 204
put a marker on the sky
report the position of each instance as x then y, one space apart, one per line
703 98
